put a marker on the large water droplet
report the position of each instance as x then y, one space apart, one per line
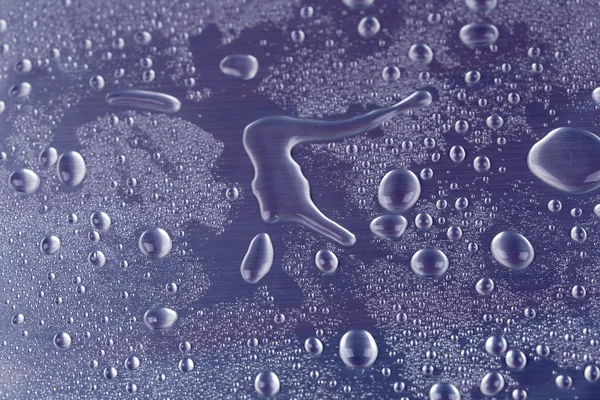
62 340
24 181
241 66
267 383
389 226
399 190
160 318
326 261
481 6
358 349
258 259
492 384
358 4
429 262
368 27
50 245
515 359
444 391
512 250
566 159
478 35
155 243
420 53
71 168
495 345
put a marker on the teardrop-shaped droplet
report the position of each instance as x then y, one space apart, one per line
24 181
512 250
399 190
429 262
492 384
566 159
241 66
160 318
71 168
358 349
478 34
389 226
258 259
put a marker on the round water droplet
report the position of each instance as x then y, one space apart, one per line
578 234
591 373
444 391
566 160
484 286
495 345
160 318
155 243
515 359
478 35
563 381
241 66
100 221
494 122
313 345
97 258
326 261
71 168
512 250
390 73
186 365
358 349
368 27
492 384
110 373
62 340
420 53
429 262
399 190
50 245
132 363
267 383
457 154
389 226
482 164
24 181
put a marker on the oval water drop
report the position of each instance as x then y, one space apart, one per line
358 349
71 168
160 318
512 250
478 35
444 391
492 384
267 383
258 259
240 66
326 261
24 181
566 160
389 226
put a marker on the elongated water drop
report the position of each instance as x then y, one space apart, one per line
240 66
282 191
389 226
160 318
24 181
71 168
512 250
258 259
478 34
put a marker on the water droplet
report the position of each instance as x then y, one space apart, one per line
62 340
492 384
566 160
144 100
160 318
389 226
444 391
50 245
100 221
495 345
358 349
512 250
326 261
24 181
241 66
71 168
482 164
515 359
399 190
267 383
481 6
478 35
429 262
313 345
186 365
48 157
368 27
358 4
155 243
258 259
420 53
